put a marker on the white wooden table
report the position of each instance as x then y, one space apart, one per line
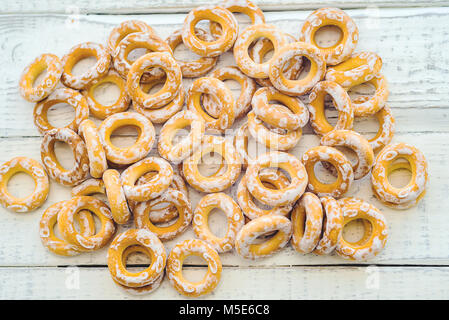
412 37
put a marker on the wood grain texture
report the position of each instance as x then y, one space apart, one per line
155 6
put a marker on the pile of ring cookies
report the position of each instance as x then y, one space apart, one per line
279 196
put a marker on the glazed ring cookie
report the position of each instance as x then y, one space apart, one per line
217 182
172 84
116 196
275 178
307 220
45 62
383 166
95 152
239 6
41 188
162 114
102 111
147 241
376 101
234 216
189 144
59 246
248 87
283 196
66 225
343 167
244 41
274 140
139 149
244 243
123 29
55 170
221 93
359 68
323 17
88 187
176 259
217 14
332 226
355 142
78 53
197 68
341 101
294 116
139 40
177 199
155 187
296 87
375 236
62 95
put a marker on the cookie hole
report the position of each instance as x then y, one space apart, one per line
20 185
40 77
182 53
64 155
218 222
152 88
255 148
194 274
234 86
136 53
305 69
322 174
349 154
138 260
256 45
106 93
367 126
211 163
265 237
125 136
180 134
399 174
361 92
83 65
328 36
210 105
60 115
354 232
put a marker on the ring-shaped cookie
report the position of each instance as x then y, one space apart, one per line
283 196
323 17
273 139
244 41
359 68
139 149
246 7
155 187
189 143
147 241
55 170
66 223
275 178
139 40
375 236
172 84
177 199
217 182
364 107
244 243
221 93
78 53
62 95
41 184
193 247
45 62
343 167
99 110
307 220
116 196
332 226
383 166
280 59
294 116
217 14
341 101
234 218
123 29
357 143
196 68
51 241
95 151
248 87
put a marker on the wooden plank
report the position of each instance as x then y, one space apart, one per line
155 6
398 36
416 236
254 283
